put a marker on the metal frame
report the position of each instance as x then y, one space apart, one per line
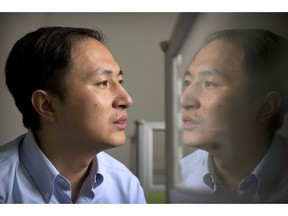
172 48
144 151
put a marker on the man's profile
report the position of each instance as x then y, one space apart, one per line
69 89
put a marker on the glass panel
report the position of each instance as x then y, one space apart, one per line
205 24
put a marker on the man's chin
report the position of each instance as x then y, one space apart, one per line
117 143
194 142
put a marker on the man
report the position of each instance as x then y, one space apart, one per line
234 100
68 87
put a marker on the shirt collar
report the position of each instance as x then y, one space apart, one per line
210 178
269 167
44 173
209 173
39 167
266 171
95 178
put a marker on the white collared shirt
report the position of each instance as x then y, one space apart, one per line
27 176
268 183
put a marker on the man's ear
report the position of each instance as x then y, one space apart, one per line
42 103
270 106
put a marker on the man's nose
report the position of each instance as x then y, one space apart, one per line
189 99
123 99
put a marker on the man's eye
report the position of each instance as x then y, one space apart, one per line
121 82
209 85
103 83
186 83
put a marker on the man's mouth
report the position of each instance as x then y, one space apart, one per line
121 122
189 123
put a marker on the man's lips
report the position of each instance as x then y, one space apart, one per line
189 123
121 122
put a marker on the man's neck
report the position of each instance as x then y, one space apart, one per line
73 165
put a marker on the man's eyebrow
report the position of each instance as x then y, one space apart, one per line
202 73
187 73
208 73
108 72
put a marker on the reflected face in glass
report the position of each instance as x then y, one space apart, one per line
216 103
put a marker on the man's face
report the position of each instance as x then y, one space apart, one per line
217 107
93 113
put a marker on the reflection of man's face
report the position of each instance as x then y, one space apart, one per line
217 108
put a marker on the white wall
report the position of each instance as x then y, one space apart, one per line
133 38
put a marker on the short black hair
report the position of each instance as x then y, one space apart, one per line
265 61
40 60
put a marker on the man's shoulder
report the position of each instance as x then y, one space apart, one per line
110 163
119 180
9 163
193 169
115 172
196 157
9 152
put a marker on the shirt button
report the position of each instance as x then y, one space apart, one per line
61 180
248 181
47 196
